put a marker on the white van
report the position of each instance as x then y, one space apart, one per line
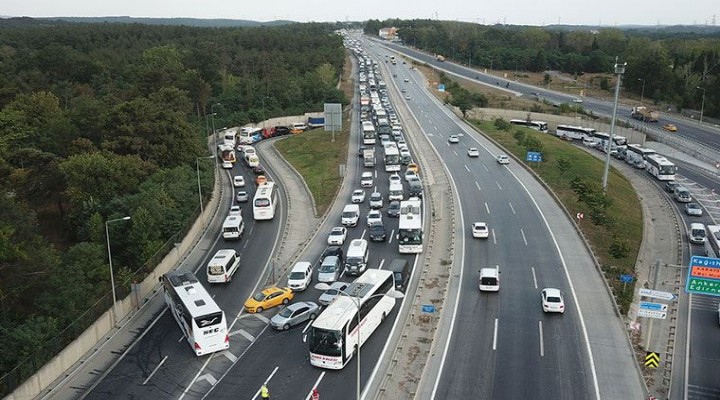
396 191
357 257
223 266
233 227
489 279
299 126
697 233
300 276
350 215
252 160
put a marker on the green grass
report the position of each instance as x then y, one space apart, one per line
317 159
626 223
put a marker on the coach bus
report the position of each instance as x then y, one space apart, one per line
265 201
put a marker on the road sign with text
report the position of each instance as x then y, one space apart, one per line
703 276
652 313
656 294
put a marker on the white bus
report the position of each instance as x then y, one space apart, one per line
368 132
573 132
229 137
660 167
265 201
246 135
233 227
201 320
713 237
410 229
603 138
335 333
537 125
392 159
223 266
636 153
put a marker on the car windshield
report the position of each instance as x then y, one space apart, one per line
286 312
327 268
297 275
259 297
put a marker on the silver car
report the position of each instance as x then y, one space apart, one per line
294 314
693 210
334 291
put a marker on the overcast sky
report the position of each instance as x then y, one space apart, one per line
513 12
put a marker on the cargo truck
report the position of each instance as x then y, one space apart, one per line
643 114
369 157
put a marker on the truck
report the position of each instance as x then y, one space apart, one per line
440 58
369 157
643 114
227 152
316 122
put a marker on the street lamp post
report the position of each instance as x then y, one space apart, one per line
702 107
619 71
392 293
642 92
212 115
112 274
197 168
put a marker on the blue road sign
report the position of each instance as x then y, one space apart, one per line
534 156
646 305
428 308
441 87
625 278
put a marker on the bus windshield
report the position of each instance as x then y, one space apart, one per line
325 342
262 202
410 236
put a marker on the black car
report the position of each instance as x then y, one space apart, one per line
670 186
332 251
258 170
377 232
393 210
281 131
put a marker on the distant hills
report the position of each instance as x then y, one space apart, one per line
198 22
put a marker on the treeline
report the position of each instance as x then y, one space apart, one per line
98 122
670 66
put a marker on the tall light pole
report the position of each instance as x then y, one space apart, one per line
702 107
619 71
112 274
197 168
642 92
392 293
212 115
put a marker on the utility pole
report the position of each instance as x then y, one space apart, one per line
619 71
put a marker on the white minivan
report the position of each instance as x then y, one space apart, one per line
223 266
697 233
489 279
357 257
300 276
350 215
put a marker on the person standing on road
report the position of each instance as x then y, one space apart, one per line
264 392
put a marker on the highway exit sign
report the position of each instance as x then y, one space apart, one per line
703 276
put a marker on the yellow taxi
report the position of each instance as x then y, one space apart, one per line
670 127
267 298
260 179
413 167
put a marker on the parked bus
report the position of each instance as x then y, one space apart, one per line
368 131
660 167
392 159
265 201
201 320
636 153
336 332
410 229
573 132
223 266
537 125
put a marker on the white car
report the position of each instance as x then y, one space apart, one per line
235 210
374 217
337 236
395 178
239 181
503 159
366 179
406 80
552 300
376 200
577 100
480 230
410 174
473 152
227 165
358 196
407 97
453 139
241 196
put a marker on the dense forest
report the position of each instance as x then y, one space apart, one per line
663 65
102 121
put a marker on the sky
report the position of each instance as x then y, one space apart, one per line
512 12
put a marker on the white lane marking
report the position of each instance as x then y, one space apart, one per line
478 186
512 208
523 235
265 383
363 234
261 317
317 382
542 344
375 174
498 185
208 377
392 234
230 356
495 335
455 152
534 277
181 338
381 263
487 207
466 167
486 168
243 333
493 235
155 370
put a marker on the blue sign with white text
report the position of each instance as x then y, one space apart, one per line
625 278
428 308
534 156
